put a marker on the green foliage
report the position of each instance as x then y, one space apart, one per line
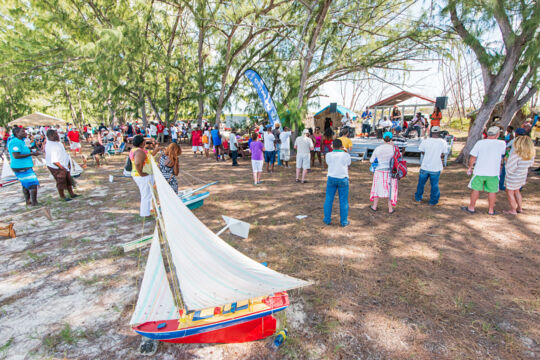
114 61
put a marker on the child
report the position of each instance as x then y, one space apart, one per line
206 141
285 145
256 148
225 144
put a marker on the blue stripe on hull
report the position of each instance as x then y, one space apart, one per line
178 334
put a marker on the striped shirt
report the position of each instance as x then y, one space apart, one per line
516 171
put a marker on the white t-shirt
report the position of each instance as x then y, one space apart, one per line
338 164
488 153
346 121
433 148
269 139
385 123
383 153
284 137
174 132
303 145
153 130
55 152
233 143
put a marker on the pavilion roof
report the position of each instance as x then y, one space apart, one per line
399 98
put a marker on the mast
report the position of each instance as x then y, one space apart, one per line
172 270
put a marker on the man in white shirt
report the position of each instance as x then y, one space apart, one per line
416 125
285 145
346 120
58 162
485 157
269 148
431 166
382 126
303 146
338 162
153 131
174 134
233 146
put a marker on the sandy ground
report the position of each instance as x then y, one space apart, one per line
423 283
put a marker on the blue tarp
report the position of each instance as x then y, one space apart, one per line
342 110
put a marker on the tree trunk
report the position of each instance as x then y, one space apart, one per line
311 48
81 113
71 107
475 131
200 76
142 104
156 112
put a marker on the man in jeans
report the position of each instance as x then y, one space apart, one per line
269 148
338 162
431 166
233 145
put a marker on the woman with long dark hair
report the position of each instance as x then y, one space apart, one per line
168 164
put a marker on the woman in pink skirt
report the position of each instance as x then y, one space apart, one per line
383 184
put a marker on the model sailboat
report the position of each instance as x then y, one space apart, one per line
8 176
218 295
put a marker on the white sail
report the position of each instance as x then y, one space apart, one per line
155 300
7 172
210 271
38 162
75 169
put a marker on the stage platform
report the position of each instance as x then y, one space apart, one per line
363 147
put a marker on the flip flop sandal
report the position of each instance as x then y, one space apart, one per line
372 209
494 213
464 208
393 211
297 180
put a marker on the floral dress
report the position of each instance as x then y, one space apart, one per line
168 172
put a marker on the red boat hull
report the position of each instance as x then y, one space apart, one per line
249 331
236 329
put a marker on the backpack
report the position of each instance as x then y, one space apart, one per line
128 165
398 166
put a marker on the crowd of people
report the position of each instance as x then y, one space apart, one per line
498 162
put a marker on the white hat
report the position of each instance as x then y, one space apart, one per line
493 131
436 129
306 131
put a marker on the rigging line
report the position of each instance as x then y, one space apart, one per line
193 176
138 266
161 233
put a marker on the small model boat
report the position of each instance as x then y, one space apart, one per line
192 200
75 169
195 201
218 295
8 176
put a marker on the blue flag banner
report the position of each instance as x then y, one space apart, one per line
264 95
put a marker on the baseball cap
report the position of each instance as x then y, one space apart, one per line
494 130
521 131
387 134
436 129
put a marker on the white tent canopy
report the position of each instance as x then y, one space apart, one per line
37 119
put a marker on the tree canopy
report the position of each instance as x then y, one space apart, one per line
107 60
